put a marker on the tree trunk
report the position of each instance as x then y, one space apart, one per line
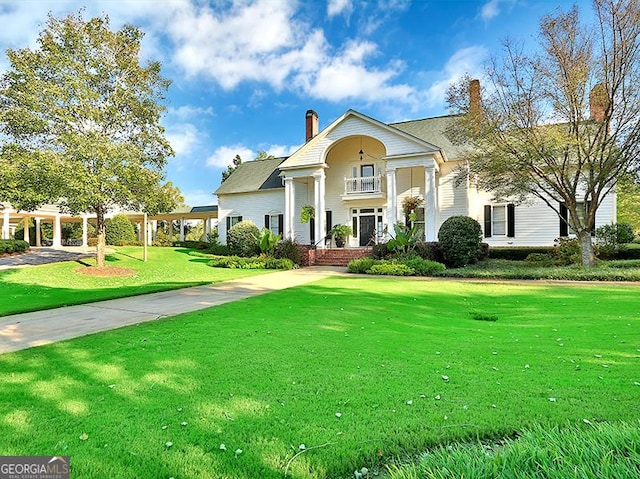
586 247
100 230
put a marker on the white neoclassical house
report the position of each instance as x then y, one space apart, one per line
358 171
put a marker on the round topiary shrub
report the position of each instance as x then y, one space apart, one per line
119 230
460 241
242 239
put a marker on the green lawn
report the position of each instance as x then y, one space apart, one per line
53 285
362 371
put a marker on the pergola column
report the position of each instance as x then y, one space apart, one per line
25 223
207 229
5 224
154 230
57 231
38 235
85 231
392 201
181 229
430 206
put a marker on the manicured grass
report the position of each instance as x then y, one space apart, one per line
54 285
364 372
625 270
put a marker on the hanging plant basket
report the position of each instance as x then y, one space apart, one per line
410 203
307 213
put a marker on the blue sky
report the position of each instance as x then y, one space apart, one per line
244 73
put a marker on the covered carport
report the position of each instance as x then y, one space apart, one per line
11 219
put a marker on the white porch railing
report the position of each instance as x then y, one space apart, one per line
365 184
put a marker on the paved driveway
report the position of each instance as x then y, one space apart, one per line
45 255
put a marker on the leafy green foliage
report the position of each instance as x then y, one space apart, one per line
404 266
307 213
460 239
13 246
518 253
257 262
611 238
119 230
288 249
242 239
267 241
567 251
82 121
404 240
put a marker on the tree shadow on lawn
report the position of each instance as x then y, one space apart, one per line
266 379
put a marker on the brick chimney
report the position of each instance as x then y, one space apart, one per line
311 118
598 102
475 104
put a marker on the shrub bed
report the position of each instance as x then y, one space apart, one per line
13 246
519 253
256 262
414 266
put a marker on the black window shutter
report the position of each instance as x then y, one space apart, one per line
266 221
281 224
511 220
312 230
239 219
487 221
564 226
228 223
328 221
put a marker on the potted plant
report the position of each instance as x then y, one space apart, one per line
307 213
340 234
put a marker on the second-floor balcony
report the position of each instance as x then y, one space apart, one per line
364 186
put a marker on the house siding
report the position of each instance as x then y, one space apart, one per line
251 206
535 223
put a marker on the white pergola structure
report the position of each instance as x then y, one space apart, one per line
10 218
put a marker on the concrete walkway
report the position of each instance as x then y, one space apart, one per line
21 331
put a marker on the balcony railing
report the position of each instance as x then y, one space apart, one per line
363 185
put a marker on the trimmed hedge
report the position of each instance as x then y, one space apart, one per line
256 262
460 239
13 246
397 267
519 253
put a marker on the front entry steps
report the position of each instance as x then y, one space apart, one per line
339 256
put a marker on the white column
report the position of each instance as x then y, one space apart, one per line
319 205
5 224
57 232
85 231
154 230
38 237
392 201
25 223
430 203
289 207
207 229
148 233
181 229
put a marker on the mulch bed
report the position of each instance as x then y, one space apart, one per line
106 272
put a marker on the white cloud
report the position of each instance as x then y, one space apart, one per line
281 150
183 137
336 7
224 155
490 10
468 60
186 112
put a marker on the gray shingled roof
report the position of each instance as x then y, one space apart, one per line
202 209
253 176
433 131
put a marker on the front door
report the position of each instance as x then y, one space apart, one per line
367 229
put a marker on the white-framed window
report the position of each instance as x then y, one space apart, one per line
274 223
499 220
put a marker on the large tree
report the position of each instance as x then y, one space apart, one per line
561 123
81 116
